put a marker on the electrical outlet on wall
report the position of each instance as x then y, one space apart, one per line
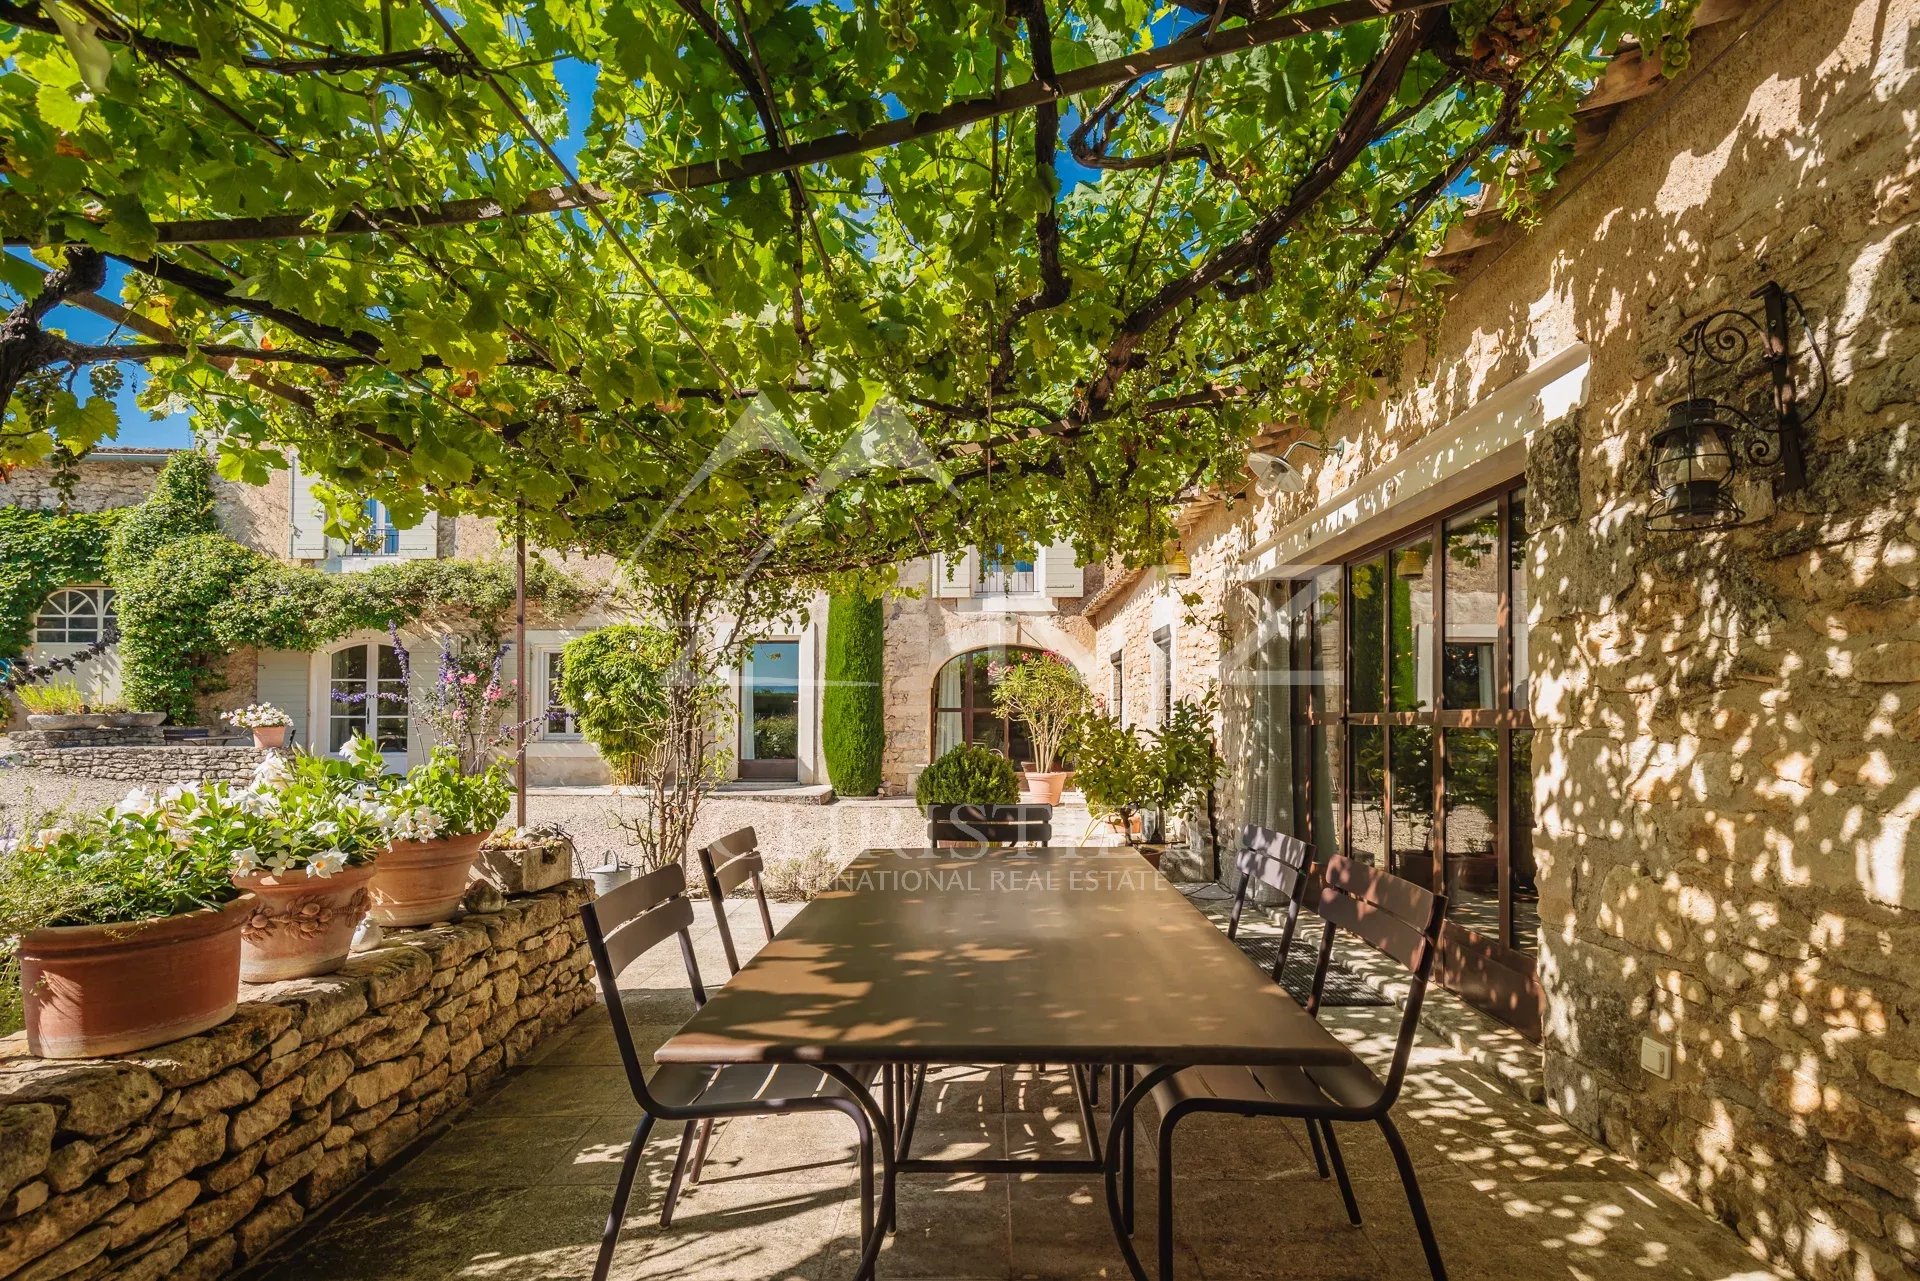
1656 1058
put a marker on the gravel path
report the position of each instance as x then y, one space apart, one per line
786 828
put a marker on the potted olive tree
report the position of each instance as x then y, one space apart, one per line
127 924
1044 691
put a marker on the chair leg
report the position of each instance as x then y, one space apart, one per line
622 1189
679 1175
1415 1202
866 1179
700 1151
1319 1151
1165 1242
1339 1171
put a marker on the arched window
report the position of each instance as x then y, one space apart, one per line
74 616
963 706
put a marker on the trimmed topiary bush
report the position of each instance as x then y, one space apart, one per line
853 720
968 775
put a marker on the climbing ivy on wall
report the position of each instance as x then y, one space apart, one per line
41 552
189 595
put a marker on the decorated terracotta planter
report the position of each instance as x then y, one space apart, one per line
301 925
1047 787
94 990
270 737
419 882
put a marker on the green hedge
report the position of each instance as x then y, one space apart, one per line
853 723
41 552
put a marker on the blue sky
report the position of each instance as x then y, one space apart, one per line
137 427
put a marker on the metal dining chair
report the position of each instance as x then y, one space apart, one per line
622 925
1401 920
1280 863
1028 824
727 864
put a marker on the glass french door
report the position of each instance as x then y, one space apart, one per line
1401 676
770 707
367 695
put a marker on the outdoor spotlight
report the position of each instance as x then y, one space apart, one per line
1707 444
1278 474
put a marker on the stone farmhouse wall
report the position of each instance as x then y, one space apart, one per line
1727 764
195 1158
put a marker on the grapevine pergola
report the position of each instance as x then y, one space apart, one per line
883 275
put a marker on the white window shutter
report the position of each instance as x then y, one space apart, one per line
309 540
953 576
1061 572
423 540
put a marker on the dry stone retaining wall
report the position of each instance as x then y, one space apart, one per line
138 765
194 1158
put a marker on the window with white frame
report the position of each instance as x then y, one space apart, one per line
75 616
557 719
380 537
1002 575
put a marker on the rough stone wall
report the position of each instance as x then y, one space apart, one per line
101 483
923 632
137 765
194 1158
1728 756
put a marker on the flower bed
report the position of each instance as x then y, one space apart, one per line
192 1158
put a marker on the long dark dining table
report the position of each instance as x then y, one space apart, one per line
1079 956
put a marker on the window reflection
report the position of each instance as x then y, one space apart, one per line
1367 812
1367 630
1412 778
1517 577
1473 819
1473 609
1412 619
1522 872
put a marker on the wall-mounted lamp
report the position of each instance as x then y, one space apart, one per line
1279 474
1173 560
1707 444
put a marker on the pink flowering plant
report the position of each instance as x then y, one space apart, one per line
467 704
1044 691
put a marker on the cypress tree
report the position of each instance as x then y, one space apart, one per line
853 727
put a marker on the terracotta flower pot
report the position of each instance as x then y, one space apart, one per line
270 737
1047 787
301 925
419 882
93 990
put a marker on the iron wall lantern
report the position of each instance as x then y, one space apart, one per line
1708 445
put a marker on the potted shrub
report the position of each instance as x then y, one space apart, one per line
269 724
968 775
127 925
1044 691
441 815
304 836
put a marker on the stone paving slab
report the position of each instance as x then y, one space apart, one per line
518 1189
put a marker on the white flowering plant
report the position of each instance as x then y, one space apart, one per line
316 814
440 798
257 716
